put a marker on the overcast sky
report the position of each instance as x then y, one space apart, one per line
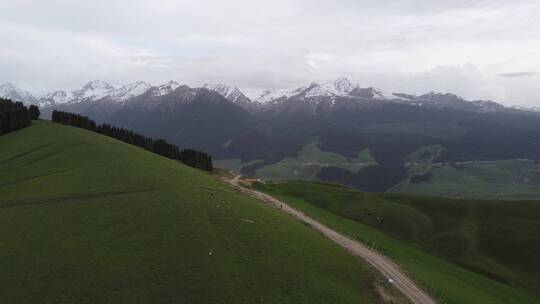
477 49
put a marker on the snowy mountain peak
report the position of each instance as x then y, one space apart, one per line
343 85
94 90
231 93
56 97
223 89
316 90
268 95
172 83
339 87
97 85
165 88
131 90
10 91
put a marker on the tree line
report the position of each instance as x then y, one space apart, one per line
190 157
15 116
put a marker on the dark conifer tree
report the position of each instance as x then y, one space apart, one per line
13 116
34 112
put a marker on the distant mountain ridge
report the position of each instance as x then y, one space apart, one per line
313 98
261 128
10 91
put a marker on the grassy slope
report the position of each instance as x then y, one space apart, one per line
87 219
497 239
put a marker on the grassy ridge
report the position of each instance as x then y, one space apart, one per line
87 219
492 245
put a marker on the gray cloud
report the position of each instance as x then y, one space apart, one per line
518 74
409 45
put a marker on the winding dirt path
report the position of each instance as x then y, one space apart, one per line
382 263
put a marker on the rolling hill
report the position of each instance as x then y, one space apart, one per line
88 219
465 251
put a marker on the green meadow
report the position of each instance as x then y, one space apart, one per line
85 218
463 251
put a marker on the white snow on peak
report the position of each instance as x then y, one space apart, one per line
56 97
342 86
231 93
223 89
317 90
131 90
166 88
10 91
97 85
313 94
268 95
94 90
339 87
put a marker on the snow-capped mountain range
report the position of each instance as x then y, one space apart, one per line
231 93
340 87
97 90
9 91
308 97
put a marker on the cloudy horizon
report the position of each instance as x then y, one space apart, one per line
475 49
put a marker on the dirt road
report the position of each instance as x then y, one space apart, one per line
380 262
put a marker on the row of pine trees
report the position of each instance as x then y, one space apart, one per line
15 116
193 158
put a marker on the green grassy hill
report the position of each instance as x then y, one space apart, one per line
88 219
514 179
465 251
